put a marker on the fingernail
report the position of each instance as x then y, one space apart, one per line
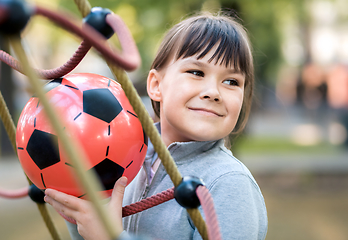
123 181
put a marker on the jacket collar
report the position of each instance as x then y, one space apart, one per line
180 151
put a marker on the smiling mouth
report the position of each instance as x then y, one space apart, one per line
206 111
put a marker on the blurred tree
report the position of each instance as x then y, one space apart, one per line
149 19
263 21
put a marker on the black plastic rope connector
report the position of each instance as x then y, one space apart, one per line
36 194
96 19
185 192
18 13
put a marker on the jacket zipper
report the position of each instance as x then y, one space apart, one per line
146 191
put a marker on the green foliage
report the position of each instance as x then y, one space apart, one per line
149 19
277 145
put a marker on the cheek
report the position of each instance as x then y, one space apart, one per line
234 112
177 95
235 102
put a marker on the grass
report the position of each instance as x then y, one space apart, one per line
267 145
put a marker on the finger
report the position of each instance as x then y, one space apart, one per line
118 191
63 199
60 208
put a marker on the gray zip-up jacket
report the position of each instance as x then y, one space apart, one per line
238 201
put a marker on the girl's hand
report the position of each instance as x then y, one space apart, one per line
88 224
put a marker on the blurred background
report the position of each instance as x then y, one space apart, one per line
295 143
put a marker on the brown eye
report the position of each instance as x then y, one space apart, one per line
231 82
196 72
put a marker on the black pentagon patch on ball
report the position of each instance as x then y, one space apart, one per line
43 149
101 103
109 172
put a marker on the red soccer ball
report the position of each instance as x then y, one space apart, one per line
96 112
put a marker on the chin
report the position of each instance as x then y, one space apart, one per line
205 138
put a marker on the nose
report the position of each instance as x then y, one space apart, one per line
211 92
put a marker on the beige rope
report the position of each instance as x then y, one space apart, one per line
84 7
157 142
90 185
8 122
147 124
140 110
48 221
199 222
149 128
88 179
11 132
9 125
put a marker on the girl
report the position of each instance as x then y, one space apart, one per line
201 85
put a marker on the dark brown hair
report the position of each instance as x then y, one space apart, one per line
197 35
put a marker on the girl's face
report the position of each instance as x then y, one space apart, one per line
199 100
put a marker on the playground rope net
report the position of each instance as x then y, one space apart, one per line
118 62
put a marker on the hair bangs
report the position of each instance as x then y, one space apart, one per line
201 40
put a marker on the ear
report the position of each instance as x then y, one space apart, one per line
153 85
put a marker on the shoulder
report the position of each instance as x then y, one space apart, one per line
218 166
238 200
232 168
227 178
